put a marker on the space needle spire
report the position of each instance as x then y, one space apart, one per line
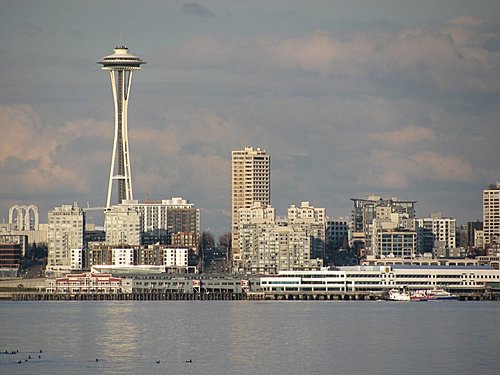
120 64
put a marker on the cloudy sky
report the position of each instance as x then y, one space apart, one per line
397 98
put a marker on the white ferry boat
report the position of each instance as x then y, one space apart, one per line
398 295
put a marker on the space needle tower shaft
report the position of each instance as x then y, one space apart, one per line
121 64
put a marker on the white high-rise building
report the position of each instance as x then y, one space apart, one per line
306 213
268 245
65 235
491 216
122 224
251 182
436 231
160 220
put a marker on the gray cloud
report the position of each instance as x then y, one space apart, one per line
195 9
409 110
442 57
28 29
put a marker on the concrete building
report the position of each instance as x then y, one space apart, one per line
122 257
251 182
11 253
122 224
366 210
313 221
456 279
337 232
77 260
170 259
65 232
175 257
165 219
436 231
338 251
479 239
491 216
268 245
472 227
393 234
38 237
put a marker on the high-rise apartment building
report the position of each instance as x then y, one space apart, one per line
268 245
65 233
122 224
491 216
251 182
163 221
472 228
370 208
393 235
337 241
167 222
436 231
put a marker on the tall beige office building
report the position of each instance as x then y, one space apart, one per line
251 182
491 216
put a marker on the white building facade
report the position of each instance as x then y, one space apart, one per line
76 262
122 224
441 232
461 279
122 257
268 245
175 257
160 220
65 232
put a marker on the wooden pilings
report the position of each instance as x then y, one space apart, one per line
227 296
166 296
314 296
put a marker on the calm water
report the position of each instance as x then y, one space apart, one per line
250 337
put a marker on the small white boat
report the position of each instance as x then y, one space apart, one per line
397 295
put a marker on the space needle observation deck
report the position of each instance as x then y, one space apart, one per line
120 64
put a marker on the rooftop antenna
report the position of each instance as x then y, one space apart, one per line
121 39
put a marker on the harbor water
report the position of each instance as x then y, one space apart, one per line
249 337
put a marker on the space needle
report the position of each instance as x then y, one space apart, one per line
120 64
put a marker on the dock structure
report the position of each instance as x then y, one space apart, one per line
37 296
314 296
223 296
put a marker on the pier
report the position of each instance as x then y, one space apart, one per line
168 296
221 296
314 296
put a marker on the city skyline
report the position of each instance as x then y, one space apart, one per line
391 98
